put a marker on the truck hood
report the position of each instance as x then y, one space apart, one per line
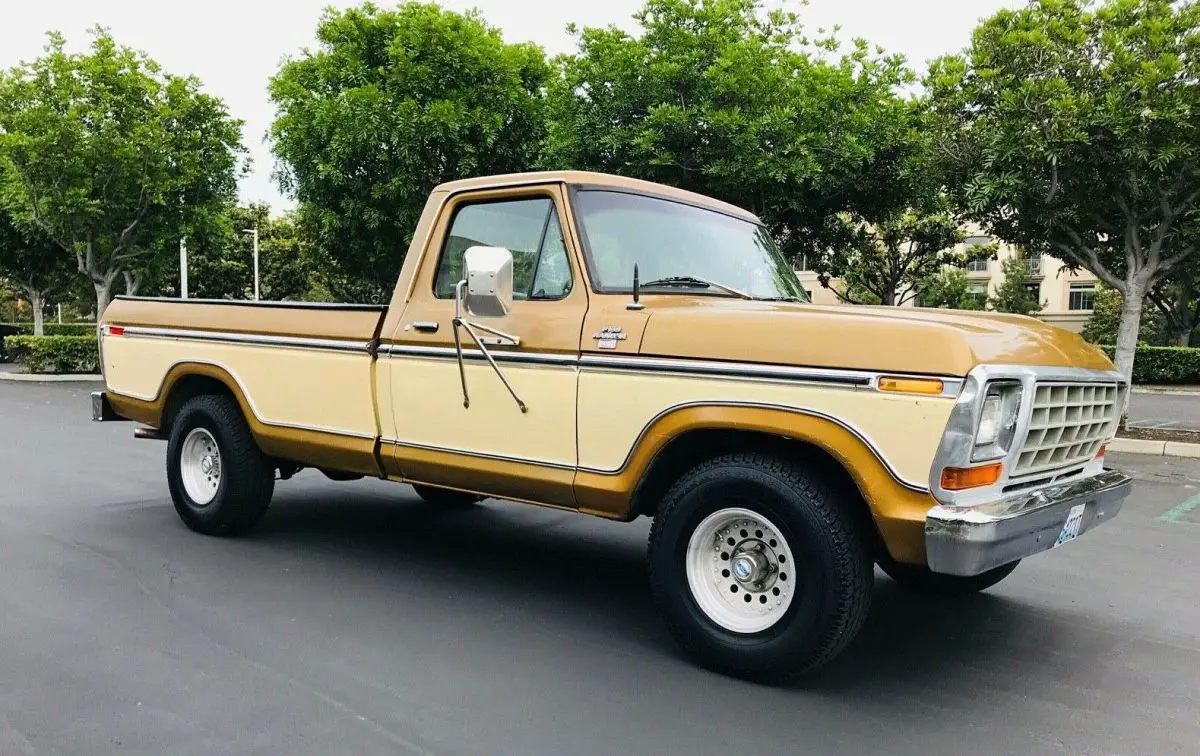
892 339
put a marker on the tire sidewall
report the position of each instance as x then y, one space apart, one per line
802 628
191 417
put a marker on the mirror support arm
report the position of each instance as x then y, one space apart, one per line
460 322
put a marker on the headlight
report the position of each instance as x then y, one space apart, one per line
997 420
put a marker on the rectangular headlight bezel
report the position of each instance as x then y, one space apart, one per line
1005 396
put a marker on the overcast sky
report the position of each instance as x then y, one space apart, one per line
234 47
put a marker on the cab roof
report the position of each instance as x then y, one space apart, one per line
596 180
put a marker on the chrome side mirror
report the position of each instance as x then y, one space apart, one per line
488 272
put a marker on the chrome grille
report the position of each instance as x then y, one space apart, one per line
1068 423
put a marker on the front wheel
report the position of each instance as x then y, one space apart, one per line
920 579
757 568
220 481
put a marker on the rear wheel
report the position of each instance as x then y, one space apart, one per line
920 579
220 481
444 497
757 569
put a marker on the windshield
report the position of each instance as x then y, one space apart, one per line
670 239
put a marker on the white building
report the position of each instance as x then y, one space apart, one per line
1067 297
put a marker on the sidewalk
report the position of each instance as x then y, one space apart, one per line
16 374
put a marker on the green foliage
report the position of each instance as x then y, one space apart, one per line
1164 365
390 104
1016 293
1074 127
1101 327
951 289
31 261
109 155
56 354
895 259
221 257
57 329
719 97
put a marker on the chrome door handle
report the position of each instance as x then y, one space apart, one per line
425 326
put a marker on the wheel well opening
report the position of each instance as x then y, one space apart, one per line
690 449
189 387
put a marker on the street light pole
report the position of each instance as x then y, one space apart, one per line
183 267
254 231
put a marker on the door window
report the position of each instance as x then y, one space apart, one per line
528 228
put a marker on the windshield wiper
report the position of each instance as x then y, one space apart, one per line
691 282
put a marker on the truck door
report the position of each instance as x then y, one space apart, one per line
492 446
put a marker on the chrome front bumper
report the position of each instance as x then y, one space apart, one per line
971 540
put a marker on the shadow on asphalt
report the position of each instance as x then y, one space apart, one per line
597 576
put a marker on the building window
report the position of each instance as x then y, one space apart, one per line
1033 262
977 295
975 245
1035 290
1082 296
802 263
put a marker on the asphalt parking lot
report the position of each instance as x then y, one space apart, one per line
359 620
1166 411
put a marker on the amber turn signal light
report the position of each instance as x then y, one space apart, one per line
911 385
960 478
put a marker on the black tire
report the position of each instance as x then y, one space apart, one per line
920 579
832 591
445 497
247 476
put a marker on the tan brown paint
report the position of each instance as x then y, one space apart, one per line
704 327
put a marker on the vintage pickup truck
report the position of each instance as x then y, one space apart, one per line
620 348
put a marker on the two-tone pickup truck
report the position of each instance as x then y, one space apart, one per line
620 348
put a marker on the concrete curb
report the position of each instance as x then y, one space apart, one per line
50 378
1154 448
1168 390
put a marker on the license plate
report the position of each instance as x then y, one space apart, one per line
1070 530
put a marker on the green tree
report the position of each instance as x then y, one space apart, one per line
1016 293
111 155
1074 128
34 264
894 260
1177 301
951 289
221 256
720 97
389 105
1101 327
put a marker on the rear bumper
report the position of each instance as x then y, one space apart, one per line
971 540
102 409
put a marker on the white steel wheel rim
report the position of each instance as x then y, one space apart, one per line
200 466
740 570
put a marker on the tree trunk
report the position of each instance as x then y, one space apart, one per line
132 283
1183 338
103 294
1129 327
38 302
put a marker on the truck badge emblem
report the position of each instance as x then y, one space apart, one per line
609 336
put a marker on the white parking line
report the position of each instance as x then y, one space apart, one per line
1153 422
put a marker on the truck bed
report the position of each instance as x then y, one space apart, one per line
303 372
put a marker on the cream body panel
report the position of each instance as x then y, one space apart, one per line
304 388
615 408
428 404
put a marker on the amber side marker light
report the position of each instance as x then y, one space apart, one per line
1101 451
961 478
911 385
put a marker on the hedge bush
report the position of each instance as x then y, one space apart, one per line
58 329
1164 365
56 354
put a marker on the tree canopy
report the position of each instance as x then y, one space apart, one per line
108 153
1074 128
390 104
720 97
